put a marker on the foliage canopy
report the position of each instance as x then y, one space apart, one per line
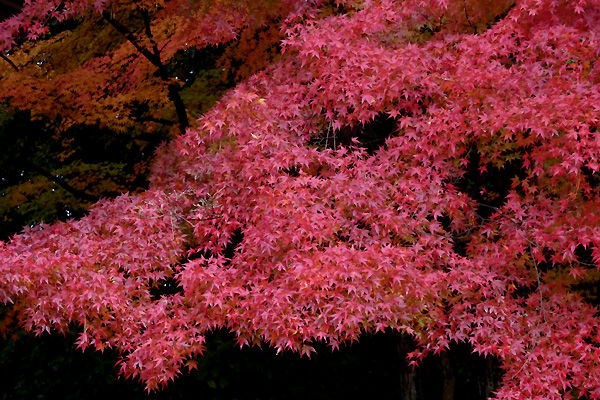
429 167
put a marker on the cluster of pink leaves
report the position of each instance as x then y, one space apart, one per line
198 25
35 15
339 242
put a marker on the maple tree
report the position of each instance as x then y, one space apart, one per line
129 67
429 167
94 124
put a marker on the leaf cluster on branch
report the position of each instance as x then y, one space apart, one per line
429 167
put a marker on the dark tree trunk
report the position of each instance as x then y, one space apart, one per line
408 374
180 109
448 377
490 381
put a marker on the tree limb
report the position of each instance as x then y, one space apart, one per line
9 61
153 55
122 29
64 184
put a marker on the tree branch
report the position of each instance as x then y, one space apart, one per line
153 55
148 29
180 109
9 61
64 184
122 29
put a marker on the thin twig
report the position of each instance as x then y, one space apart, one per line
539 283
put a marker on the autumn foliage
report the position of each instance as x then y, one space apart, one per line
429 167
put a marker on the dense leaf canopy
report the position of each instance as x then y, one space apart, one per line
429 167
